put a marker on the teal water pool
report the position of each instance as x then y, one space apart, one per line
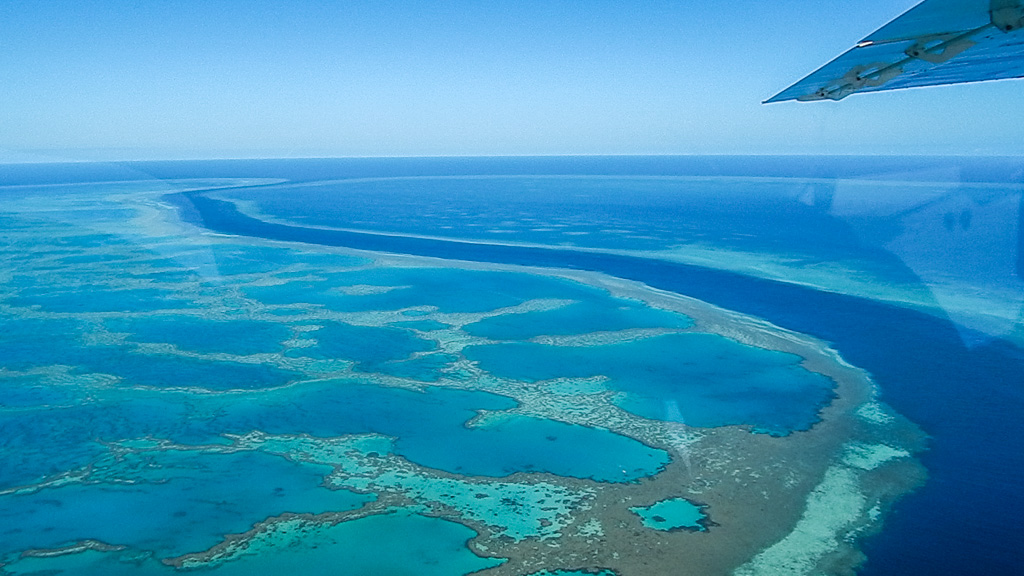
673 514
699 379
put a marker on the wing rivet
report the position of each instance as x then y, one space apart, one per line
1007 15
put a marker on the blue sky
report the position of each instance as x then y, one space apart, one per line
176 79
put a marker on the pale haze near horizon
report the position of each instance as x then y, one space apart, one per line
173 80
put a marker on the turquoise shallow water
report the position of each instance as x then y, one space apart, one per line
427 368
396 544
596 314
700 379
38 343
241 259
371 347
97 299
179 502
429 428
240 337
520 443
422 325
31 391
171 371
478 291
673 514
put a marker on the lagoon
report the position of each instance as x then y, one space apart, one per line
702 380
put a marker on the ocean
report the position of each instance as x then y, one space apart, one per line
210 309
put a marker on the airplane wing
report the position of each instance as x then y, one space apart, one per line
936 42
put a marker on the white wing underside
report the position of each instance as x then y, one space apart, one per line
936 42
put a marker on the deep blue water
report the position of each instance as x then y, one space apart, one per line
599 212
966 392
